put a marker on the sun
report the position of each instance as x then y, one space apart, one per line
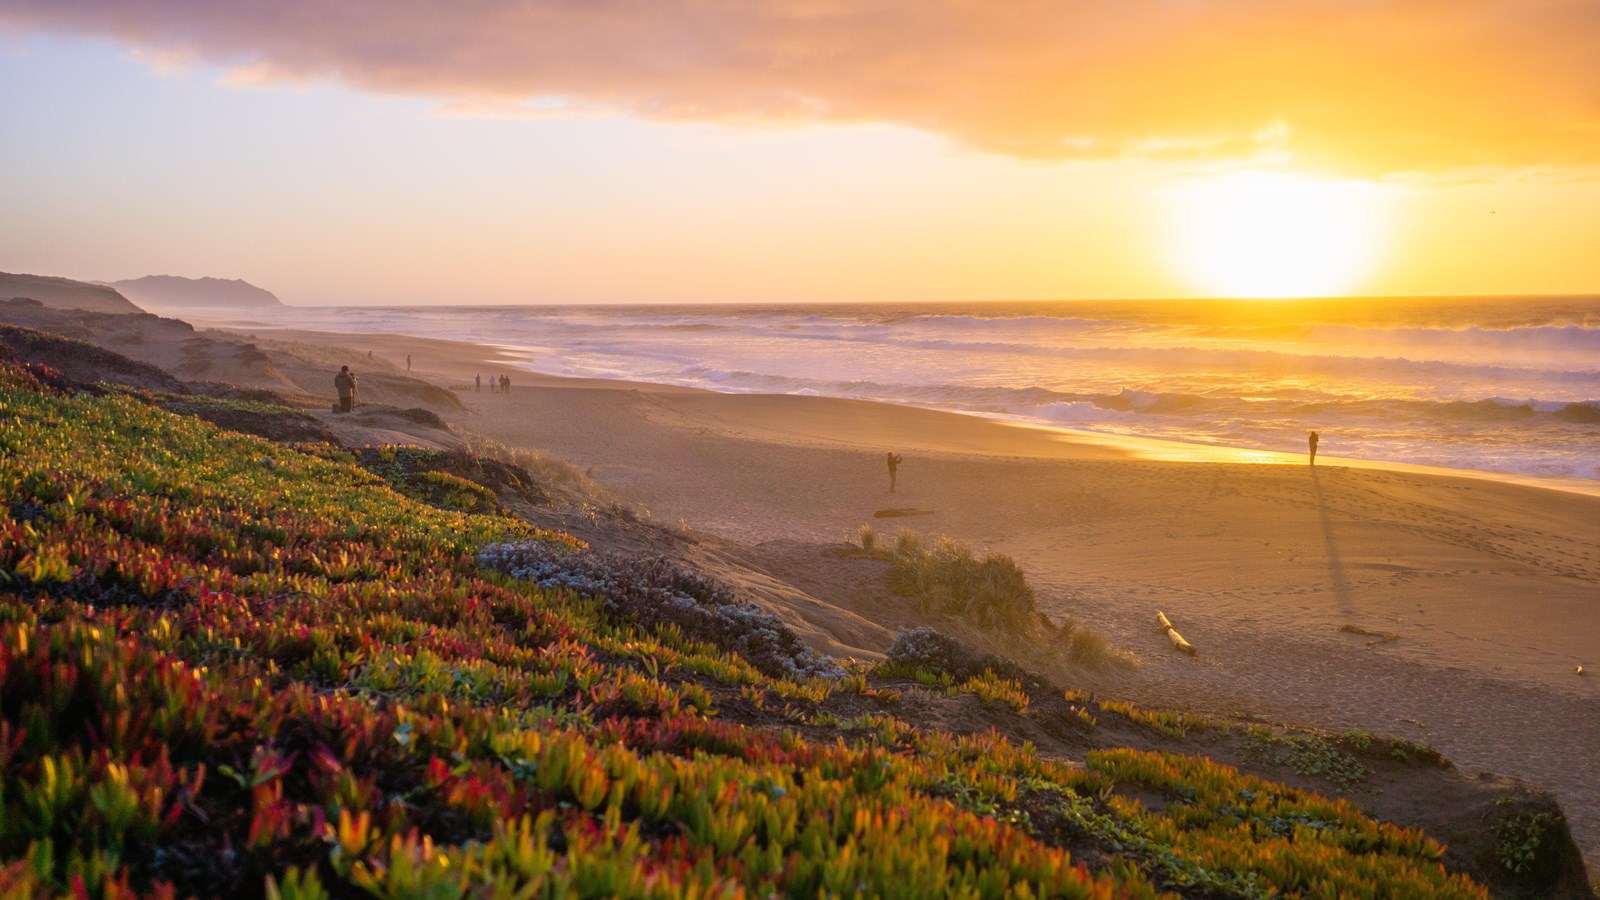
1275 234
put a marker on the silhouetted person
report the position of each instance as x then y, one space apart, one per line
408 362
477 381
505 384
894 469
1312 440
345 382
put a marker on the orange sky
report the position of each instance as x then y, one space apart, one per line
364 151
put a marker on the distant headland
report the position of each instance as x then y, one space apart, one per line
157 291
64 293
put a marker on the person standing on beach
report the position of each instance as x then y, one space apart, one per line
477 381
505 384
1312 440
408 362
894 469
345 382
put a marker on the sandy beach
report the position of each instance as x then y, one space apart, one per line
1449 610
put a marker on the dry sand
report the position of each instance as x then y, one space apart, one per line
1478 597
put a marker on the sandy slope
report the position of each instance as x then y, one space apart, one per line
1490 590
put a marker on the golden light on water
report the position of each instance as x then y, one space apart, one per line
1273 234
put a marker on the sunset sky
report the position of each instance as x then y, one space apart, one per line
505 151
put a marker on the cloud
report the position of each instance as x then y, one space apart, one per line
1369 86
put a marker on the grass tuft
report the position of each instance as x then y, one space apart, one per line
948 581
944 577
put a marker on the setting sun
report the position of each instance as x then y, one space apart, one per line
1269 234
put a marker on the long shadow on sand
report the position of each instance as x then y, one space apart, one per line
1337 582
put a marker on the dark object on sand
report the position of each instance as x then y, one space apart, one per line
897 513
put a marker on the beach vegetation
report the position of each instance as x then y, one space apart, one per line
945 578
550 470
656 592
949 583
1309 754
1087 648
991 688
255 404
1519 838
1360 741
933 657
867 537
1408 752
1414 753
1211 819
227 667
1170 722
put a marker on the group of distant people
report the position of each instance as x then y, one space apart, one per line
345 384
503 383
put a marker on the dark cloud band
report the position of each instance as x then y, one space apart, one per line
1370 87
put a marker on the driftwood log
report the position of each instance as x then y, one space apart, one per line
1178 643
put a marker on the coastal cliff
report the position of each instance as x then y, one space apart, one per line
172 291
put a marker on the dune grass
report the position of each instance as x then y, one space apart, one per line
946 578
948 581
551 469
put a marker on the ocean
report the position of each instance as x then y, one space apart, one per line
1508 385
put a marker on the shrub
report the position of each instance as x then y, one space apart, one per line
947 579
657 592
1519 837
928 650
550 469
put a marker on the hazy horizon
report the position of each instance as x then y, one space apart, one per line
986 302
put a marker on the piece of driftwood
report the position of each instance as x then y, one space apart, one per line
1178 643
